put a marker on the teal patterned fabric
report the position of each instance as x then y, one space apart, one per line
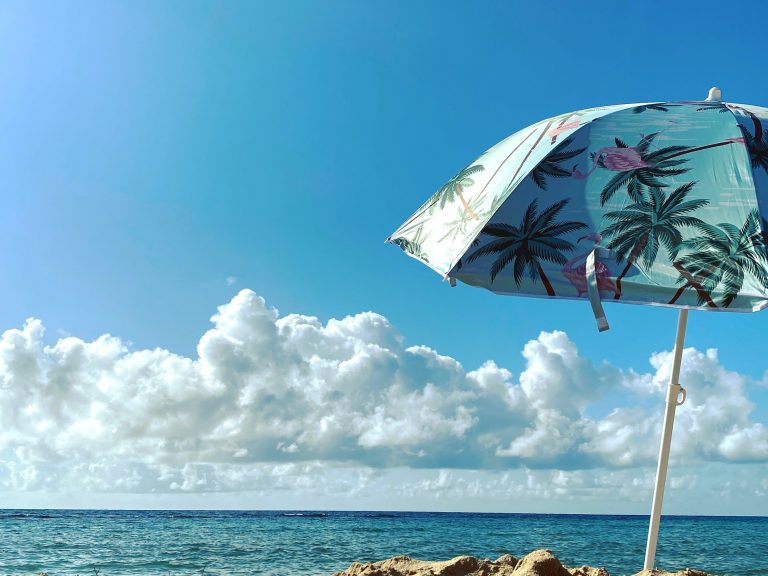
674 193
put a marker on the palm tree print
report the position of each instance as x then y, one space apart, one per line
721 256
460 263
638 230
455 187
460 224
757 143
713 105
639 167
497 202
414 246
691 281
550 165
761 239
537 238
658 107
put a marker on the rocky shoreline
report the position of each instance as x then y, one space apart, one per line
537 563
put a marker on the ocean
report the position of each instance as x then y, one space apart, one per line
275 543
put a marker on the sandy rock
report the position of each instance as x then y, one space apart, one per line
457 566
537 563
507 559
407 566
540 563
588 571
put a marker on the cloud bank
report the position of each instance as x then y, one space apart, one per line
272 402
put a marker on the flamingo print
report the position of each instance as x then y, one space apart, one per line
617 158
638 168
577 275
625 158
555 132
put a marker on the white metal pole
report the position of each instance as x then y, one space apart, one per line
673 392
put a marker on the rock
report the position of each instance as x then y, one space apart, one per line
507 559
540 563
397 566
537 563
458 566
588 571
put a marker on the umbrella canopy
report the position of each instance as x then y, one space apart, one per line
661 203
673 194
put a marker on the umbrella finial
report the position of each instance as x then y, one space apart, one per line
714 94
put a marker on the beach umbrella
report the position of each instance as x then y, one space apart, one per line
661 203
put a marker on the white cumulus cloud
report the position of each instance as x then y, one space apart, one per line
272 402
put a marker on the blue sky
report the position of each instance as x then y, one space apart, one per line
158 158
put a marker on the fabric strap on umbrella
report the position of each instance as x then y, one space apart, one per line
594 292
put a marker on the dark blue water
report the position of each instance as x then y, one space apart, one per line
288 543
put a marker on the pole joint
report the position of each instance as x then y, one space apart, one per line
676 394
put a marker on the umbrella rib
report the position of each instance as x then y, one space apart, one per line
543 132
520 167
515 149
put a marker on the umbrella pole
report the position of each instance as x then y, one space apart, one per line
673 393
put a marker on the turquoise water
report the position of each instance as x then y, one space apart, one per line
319 543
